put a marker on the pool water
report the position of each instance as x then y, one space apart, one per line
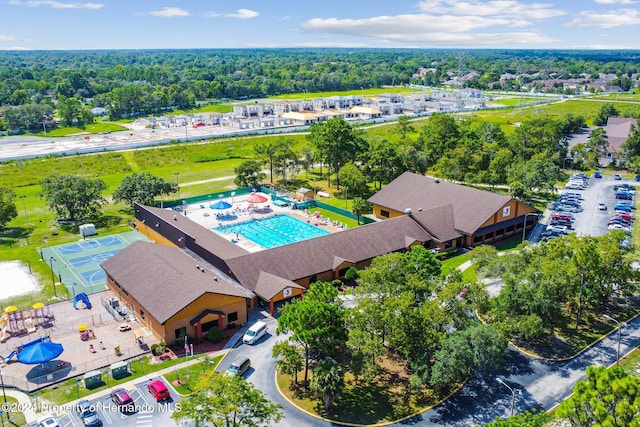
274 231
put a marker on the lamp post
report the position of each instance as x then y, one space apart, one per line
53 278
524 226
74 290
177 174
4 393
233 193
346 199
513 393
24 206
620 325
362 89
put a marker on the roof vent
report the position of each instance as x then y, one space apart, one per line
198 266
215 278
437 181
408 211
175 217
419 209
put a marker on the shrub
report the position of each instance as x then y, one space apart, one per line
215 334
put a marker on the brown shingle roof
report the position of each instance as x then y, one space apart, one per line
309 257
204 237
269 285
163 279
471 207
438 222
618 131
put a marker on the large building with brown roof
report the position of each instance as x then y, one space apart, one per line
456 215
193 279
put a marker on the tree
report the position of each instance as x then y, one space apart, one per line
8 209
327 381
358 207
227 402
290 360
608 397
404 126
73 197
143 188
352 178
249 174
527 418
316 322
268 150
607 110
336 143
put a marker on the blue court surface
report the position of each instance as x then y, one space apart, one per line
76 265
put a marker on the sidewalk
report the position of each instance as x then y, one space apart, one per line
28 404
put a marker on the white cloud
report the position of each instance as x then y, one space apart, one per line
243 14
170 12
611 19
504 8
211 15
6 38
58 5
408 25
615 1
306 44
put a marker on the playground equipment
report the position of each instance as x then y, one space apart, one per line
5 333
84 298
28 323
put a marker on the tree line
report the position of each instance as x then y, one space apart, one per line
151 82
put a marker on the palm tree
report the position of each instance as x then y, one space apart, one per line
328 381
358 206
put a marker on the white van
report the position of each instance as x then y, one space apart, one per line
255 332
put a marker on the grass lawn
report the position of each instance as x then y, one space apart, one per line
631 361
386 399
17 417
184 379
69 390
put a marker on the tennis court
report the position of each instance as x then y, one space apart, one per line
77 265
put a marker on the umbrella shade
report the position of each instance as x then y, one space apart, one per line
221 204
257 198
11 309
38 305
40 352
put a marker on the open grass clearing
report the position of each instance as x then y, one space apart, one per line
184 379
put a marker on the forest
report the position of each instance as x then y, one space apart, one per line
131 83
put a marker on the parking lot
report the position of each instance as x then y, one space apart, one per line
147 411
588 218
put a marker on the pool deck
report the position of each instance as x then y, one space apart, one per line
206 217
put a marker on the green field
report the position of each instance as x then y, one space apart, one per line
203 167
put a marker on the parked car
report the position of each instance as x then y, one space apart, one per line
158 390
617 177
239 366
48 421
88 414
124 327
559 229
627 230
622 207
121 398
620 221
637 177
623 195
625 216
597 174
602 206
565 216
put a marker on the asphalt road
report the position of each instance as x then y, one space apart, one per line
538 383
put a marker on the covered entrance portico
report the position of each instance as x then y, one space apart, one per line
274 288
206 320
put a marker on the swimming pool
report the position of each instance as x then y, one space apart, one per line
278 230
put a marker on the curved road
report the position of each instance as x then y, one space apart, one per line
541 384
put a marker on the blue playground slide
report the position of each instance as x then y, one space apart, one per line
82 297
11 356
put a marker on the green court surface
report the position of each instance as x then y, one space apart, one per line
77 265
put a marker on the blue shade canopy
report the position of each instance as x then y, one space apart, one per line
40 352
221 204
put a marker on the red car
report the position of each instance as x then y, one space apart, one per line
120 397
158 390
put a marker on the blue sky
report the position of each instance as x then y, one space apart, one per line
160 24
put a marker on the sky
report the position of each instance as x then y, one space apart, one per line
174 24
